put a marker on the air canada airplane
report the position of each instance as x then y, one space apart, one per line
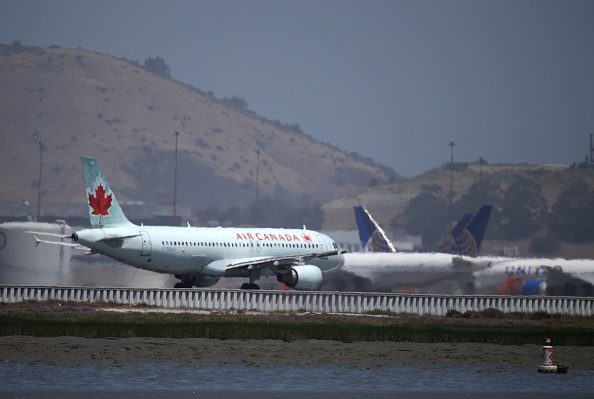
200 256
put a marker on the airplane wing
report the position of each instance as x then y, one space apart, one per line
274 262
463 265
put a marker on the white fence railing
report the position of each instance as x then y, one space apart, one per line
278 301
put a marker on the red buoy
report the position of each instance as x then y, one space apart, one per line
547 359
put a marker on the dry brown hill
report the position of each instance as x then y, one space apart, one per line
81 103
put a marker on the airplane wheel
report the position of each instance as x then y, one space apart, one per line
186 281
247 286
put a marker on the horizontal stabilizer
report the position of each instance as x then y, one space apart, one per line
63 244
44 233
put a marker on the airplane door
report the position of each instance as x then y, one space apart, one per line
146 244
322 243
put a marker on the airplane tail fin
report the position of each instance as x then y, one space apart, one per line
468 234
373 238
104 210
478 225
461 225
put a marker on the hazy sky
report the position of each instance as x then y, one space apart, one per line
511 81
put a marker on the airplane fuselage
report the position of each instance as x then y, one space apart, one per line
410 269
517 276
206 251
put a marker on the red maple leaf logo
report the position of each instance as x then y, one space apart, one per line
306 237
100 202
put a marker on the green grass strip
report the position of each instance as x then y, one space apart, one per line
514 330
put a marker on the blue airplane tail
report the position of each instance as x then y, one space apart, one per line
373 238
461 225
104 210
478 225
468 234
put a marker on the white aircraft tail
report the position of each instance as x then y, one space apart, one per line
104 210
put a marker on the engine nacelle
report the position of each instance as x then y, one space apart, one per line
306 277
534 287
205 281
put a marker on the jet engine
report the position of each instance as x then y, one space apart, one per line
306 277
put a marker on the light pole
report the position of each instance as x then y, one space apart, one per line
39 184
175 180
451 144
481 161
257 186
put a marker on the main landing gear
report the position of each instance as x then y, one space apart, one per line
254 275
186 282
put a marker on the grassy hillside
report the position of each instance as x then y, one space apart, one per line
82 103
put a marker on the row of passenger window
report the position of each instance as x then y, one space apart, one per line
237 245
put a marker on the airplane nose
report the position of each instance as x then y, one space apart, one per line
74 237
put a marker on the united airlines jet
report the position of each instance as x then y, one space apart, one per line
466 238
200 256
459 261
386 268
